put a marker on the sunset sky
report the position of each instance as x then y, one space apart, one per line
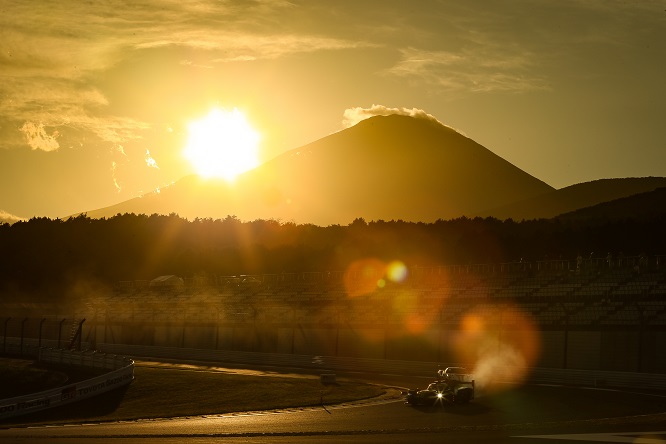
97 98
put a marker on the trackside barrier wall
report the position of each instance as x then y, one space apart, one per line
30 347
330 364
122 373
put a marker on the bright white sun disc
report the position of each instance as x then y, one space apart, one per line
222 144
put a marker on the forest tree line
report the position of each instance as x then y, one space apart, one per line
48 257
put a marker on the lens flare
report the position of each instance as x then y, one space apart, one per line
362 276
416 323
396 271
366 275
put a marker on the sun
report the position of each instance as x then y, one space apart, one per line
222 144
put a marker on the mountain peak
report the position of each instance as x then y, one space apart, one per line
385 167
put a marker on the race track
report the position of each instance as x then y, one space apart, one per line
517 415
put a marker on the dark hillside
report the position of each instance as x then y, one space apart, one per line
571 198
649 205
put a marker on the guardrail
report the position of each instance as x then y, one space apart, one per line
122 374
328 364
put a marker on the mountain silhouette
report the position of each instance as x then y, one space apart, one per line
641 206
384 168
571 198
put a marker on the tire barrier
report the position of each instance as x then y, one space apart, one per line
122 373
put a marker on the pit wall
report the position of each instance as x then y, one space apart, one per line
121 374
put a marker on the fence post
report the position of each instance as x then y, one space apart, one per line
641 335
41 324
60 332
22 333
4 343
565 352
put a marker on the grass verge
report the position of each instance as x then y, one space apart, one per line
164 392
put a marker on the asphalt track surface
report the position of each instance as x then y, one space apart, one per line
528 414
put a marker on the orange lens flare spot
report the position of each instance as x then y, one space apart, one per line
366 275
416 324
363 276
472 324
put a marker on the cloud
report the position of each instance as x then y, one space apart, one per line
62 104
38 138
52 56
116 184
352 116
481 69
248 47
487 50
7 218
194 65
150 162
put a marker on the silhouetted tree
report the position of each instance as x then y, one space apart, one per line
48 257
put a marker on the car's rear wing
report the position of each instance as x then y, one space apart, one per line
459 377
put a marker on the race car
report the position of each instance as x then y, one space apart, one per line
454 385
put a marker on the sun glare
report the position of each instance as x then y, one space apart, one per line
222 144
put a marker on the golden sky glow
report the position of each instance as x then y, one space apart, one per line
96 97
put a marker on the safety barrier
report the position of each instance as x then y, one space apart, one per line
594 378
122 373
30 347
330 364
